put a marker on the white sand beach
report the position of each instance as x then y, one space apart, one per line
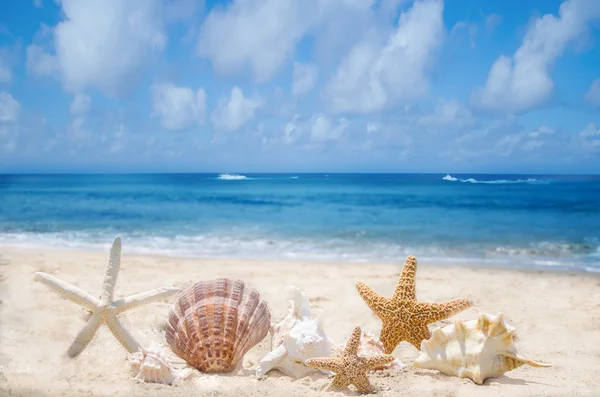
557 316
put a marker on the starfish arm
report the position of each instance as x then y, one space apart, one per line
85 335
112 271
362 383
270 361
329 364
438 311
391 335
418 333
143 298
405 289
353 343
339 382
68 291
376 302
379 360
122 335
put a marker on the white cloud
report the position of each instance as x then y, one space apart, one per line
375 75
101 43
292 130
448 114
178 107
232 114
260 34
522 82
323 129
81 104
492 22
590 130
304 78
9 108
37 3
593 94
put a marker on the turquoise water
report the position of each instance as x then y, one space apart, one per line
507 220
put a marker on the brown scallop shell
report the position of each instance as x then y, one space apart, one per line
214 324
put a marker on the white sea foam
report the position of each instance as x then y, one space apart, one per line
251 244
531 181
232 177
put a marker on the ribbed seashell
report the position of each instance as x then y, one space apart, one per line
477 349
214 324
295 339
152 365
372 346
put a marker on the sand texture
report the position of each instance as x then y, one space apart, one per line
557 316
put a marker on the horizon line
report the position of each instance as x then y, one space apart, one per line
291 172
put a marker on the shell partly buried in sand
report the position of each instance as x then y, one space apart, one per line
214 324
477 349
296 338
372 346
152 365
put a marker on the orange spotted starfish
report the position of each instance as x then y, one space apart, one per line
403 317
350 368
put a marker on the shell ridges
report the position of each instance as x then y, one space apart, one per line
477 349
214 324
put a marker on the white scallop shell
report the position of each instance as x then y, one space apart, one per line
295 339
152 365
476 349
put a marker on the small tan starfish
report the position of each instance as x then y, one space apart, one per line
403 317
350 368
104 310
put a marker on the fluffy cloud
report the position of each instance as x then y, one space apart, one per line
378 74
81 104
323 129
260 34
9 108
593 94
101 43
232 114
522 82
178 107
304 78
448 114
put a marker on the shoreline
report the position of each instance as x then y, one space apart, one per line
334 262
553 313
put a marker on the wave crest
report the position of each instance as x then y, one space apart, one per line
232 177
531 181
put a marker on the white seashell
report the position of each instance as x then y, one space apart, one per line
298 309
372 346
295 339
476 349
152 365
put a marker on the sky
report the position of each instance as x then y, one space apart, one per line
463 86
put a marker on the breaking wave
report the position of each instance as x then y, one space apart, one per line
531 181
232 177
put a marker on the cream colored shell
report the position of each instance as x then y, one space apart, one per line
152 365
296 338
214 324
477 349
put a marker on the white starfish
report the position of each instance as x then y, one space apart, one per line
104 310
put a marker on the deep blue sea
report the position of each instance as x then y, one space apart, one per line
548 222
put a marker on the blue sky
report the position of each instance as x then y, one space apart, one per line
300 85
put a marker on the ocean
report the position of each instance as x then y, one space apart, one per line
522 221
